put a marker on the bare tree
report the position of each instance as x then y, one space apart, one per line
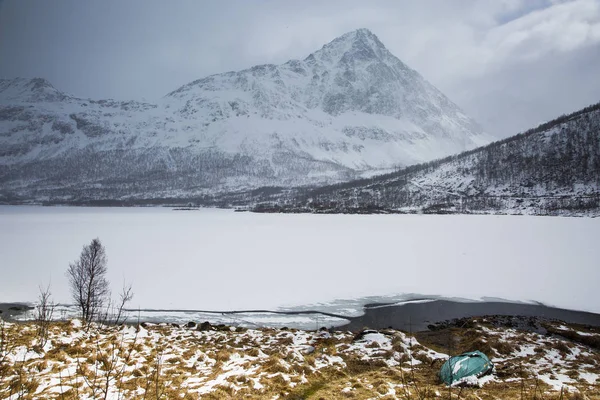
124 298
45 311
87 277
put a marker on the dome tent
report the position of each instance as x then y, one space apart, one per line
473 363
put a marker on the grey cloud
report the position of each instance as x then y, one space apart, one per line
523 95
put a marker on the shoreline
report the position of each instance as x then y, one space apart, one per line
409 317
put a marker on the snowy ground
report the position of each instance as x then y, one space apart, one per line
222 260
151 361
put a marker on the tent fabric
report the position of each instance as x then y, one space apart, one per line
471 363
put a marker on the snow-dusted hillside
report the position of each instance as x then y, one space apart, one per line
347 109
552 169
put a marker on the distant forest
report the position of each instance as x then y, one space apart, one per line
551 169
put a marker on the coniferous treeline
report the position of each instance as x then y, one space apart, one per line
551 169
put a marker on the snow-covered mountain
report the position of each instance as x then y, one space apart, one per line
551 169
348 109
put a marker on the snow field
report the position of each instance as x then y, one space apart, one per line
221 260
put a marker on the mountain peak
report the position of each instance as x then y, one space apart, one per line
352 73
358 34
29 90
40 84
33 84
360 44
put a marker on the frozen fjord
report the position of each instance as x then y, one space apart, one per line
221 260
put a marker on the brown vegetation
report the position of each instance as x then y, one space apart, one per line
168 362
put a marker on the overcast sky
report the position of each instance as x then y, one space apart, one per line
510 64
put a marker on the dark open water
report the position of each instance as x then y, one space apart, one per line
418 316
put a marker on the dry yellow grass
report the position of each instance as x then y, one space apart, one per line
167 362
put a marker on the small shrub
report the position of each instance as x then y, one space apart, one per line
503 347
562 347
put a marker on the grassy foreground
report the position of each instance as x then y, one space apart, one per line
150 361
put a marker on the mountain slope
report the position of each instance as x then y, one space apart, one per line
552 169
348 108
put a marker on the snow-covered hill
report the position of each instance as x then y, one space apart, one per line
552 169
345 110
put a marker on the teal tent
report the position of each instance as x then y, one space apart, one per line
472 363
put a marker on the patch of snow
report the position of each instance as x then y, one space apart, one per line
589 377
557 381
586 333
